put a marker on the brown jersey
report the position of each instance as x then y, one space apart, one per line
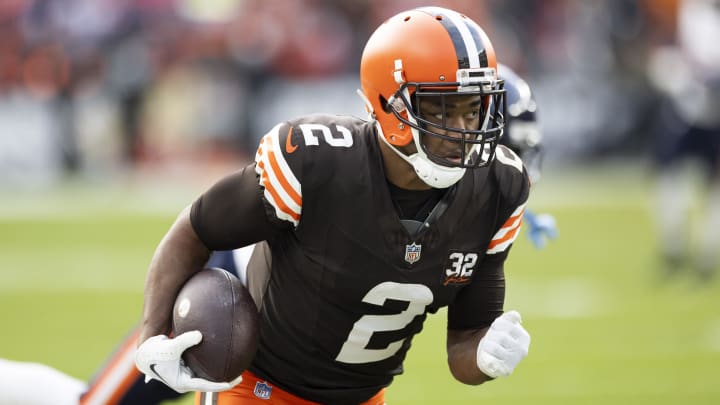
349 284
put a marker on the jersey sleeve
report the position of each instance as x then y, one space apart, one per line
231 214
480 302
514 187
278 175
295 158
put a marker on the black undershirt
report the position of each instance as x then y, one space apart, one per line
415 204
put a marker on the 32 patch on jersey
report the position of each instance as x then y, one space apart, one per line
459 268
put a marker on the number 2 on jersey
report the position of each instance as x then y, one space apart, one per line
354 350
345 140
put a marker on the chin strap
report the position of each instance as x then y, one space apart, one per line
368 106
433 174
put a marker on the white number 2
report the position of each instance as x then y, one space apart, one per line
355 349
345 139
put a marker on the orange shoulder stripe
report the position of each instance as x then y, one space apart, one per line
278 199
511 220
510 235
280 176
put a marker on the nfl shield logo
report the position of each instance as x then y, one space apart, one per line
262 390
412 252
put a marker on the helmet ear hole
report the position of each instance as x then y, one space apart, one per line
385 105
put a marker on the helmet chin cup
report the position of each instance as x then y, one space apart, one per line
433 174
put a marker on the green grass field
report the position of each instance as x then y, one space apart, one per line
605 327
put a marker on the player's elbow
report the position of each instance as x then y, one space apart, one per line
466 371
461 355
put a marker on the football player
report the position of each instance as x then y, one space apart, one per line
370 224
523 135
119 382
687 149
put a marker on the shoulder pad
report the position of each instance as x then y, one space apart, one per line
512 178
297 156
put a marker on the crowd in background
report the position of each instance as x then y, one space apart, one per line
97 86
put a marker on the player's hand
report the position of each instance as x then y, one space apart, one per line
160 358
541 228
504 345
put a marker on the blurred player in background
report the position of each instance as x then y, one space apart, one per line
687 73
523 135
119 382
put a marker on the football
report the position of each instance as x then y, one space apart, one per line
216 303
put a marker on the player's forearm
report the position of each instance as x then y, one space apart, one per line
462 356
179 255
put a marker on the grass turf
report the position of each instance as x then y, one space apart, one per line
605 326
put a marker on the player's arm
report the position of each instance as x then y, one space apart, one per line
470 316
478 355
476 352
482 341
179 255
461 348
230 214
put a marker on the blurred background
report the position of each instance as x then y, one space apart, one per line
97 87
114 114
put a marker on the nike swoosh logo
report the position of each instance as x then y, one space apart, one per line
152 368
289 147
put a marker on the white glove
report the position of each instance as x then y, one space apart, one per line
503 346
160 358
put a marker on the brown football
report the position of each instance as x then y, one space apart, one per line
216 303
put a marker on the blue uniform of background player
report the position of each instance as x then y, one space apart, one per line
524 137
687 147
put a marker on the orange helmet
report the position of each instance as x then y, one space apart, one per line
432 51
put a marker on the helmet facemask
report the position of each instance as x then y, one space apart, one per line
425 108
